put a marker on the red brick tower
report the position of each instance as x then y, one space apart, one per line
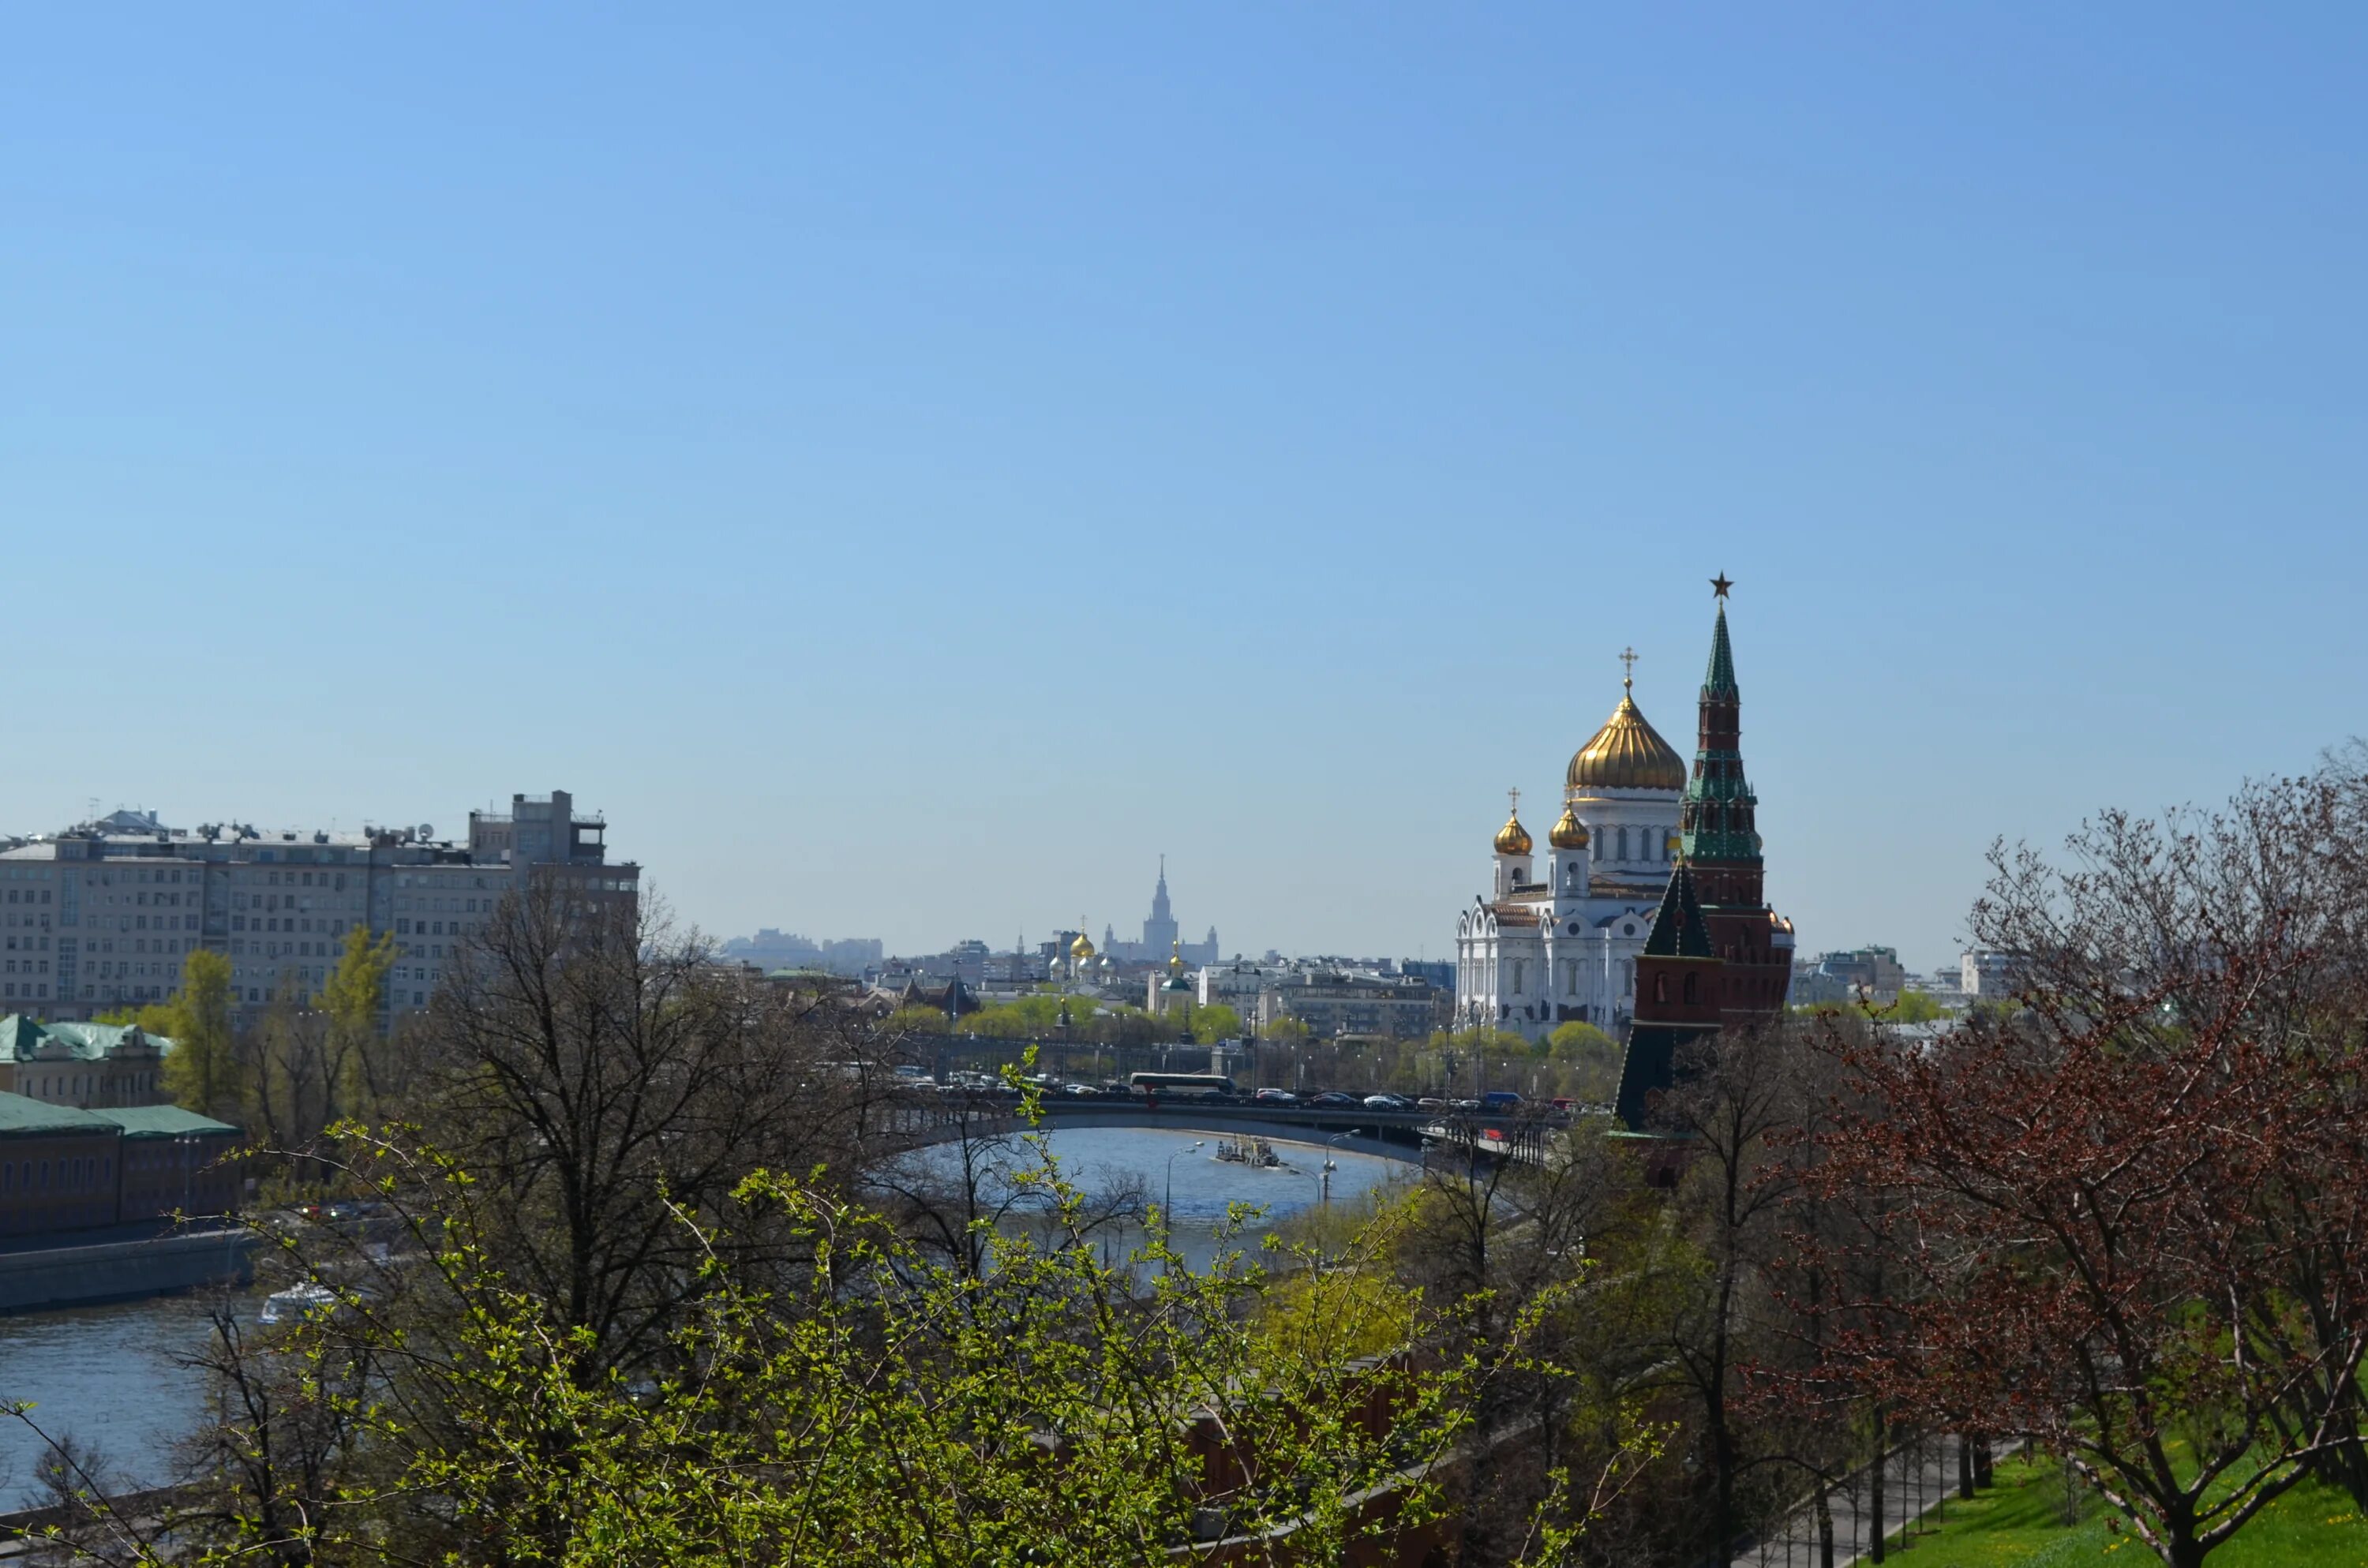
1718 956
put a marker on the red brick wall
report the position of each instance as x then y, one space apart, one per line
58 1181
164 1176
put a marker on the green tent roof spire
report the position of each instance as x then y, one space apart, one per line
1678 931
1719 680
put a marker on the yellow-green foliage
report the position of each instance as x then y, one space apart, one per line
871 1408
201 1072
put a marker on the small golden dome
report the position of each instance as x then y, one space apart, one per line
1083 947
1626 753
1513 838
1569 833
1176 955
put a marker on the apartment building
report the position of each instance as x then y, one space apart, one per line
101 916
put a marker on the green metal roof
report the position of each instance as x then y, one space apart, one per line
21 1038
161 1121
1678 928
22 1114
1719 679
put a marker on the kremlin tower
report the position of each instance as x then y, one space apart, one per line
1717 956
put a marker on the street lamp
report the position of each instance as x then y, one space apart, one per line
1323 1176
1167 1204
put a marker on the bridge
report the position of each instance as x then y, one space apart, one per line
1392 1134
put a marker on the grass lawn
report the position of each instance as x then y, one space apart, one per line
2018 1523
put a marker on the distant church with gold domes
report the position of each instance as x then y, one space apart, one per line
1559 944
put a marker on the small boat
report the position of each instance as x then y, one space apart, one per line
298 1302
1254 1151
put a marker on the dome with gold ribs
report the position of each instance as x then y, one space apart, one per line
1513 838
1626 753
1569 833
1083 947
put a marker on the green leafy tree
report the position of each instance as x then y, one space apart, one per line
1915 1008
202 1073
1036 1016
915 1018
1285 1030
1215 1022
1594 1058
352 1000
1580 1042
876 1407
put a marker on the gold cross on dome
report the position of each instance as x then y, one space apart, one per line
1514 797
1628 666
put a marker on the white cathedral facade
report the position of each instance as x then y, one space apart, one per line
1540 951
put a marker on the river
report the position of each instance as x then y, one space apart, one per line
1179 1170
112 1375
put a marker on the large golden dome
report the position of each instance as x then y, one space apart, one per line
1626 753
1083 947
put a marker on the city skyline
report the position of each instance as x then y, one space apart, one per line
917 477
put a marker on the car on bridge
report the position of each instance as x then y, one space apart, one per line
1275 1097
1334 1098
1387 1102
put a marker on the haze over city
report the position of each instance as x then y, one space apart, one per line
912 476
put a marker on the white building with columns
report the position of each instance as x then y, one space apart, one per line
1541 951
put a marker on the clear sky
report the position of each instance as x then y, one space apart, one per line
911 467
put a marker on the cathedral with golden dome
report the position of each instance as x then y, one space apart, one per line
1558 945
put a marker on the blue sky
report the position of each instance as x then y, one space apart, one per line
911 467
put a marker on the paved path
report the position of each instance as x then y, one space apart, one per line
1917 1479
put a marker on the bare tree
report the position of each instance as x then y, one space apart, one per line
594 1069
2135 1208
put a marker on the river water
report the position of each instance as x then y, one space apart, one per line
110 1375
1179 1170
113 1375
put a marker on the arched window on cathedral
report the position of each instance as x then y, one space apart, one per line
1623 845
1690 988
1660 988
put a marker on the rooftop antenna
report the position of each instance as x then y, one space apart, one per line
93 809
